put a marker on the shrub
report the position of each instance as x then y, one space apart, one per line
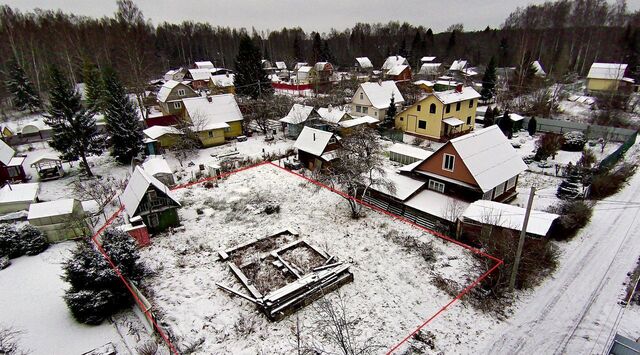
532 126
607 182
10 241
547 145
574 214
574 141
32 240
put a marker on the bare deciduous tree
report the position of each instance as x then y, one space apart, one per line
9 344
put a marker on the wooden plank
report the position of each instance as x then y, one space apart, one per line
286 264
240 275
238 293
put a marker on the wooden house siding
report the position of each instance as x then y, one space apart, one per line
434 165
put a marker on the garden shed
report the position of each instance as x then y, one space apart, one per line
59 220
48 167
157 166
18 197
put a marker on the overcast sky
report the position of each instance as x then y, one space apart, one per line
310 15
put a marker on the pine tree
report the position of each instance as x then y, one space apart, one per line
297 49
489 117
489 81
122 119
19 85
94 90
251 79
506 125
452 42
532 126
402 51
390 115
33 240
327 54
74 129
316 48
10 241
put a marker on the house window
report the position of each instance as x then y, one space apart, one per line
511 183
499 190
365 110
448 162
401 118
436 186
13 171
422 124
470 103
432 108
361 96
468 120
418 108
210 134
154 221
448 108
182 92
358 109
375 113
458 106
177 105
227 129
152 195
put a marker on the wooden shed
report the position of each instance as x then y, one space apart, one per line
59 220
18 197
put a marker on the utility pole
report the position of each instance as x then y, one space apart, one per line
523 233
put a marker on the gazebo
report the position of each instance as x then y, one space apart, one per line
49 167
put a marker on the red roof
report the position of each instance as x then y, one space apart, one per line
168 120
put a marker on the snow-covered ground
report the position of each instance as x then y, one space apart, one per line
575 310
391 295
31 299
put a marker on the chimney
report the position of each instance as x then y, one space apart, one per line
329 108
459 88
209 98
314 136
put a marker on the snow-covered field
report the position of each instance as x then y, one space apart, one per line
391 295
31 299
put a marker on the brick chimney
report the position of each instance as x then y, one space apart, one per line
209 98
459 88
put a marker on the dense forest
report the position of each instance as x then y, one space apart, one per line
567 36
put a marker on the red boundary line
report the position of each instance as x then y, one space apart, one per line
174 350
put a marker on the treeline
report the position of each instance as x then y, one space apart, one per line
565 35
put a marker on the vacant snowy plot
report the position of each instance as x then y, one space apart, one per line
393 290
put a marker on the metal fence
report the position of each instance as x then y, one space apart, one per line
614 134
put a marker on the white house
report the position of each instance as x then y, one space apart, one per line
373 99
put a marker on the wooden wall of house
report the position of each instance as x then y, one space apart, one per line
434 164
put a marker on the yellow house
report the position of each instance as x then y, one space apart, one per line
441 115
607 77
214 118
222 84
167 136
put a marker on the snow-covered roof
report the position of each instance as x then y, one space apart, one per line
212 112
358 121
45 158
379 94
156 165
429 68
51 209
424 82
509 216
304 69
489 156
538 67
452 121
313 141
319 66
35 126
200 74
82 89
397 70
405 186
281 65
204 65
156 132
458 65
331 114
451 96
364 62
298 114
137 188
19 192
6 153
16 161
427 59
437 204
223 80
409 151
611 71
165 90
394 60
299 65
515 117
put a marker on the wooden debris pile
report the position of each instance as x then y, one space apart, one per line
283 273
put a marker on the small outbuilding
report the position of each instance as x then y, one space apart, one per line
59 220
407 154
18 197
48 167
316 148
157 166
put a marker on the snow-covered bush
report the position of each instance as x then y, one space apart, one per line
574 141
32 240
547 145
96 290
607 182
574 214
10 241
